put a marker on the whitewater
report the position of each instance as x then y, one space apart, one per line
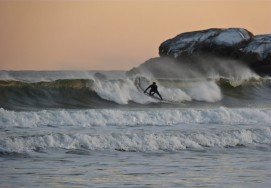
98 129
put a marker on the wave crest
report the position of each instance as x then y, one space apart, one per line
103 93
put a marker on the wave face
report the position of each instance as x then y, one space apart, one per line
117 89
91 93
134 130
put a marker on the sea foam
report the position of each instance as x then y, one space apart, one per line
139 141
114 117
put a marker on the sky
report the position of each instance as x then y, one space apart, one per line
111 34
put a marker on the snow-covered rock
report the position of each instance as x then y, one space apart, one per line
260 46
231 37
205 40
186 42
232 43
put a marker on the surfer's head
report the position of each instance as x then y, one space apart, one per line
153 83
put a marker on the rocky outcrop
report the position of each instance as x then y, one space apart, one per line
232 43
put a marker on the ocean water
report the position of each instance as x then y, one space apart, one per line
98 129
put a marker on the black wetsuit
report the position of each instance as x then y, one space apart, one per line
153 90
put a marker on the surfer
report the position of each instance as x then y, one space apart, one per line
153 90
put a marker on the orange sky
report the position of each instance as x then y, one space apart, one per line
110 35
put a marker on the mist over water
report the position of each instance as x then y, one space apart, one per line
206 67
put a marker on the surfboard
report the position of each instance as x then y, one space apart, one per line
156 97
153 96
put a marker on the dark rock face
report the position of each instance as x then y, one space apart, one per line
233 43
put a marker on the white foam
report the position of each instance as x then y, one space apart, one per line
106 117
234 71
174 94
239 74
205 91
139 141
123 91
120 91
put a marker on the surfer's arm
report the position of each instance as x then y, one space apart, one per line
147 89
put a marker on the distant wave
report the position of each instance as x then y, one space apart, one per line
102 93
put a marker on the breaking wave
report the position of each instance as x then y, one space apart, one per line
102 93
144 141
134 130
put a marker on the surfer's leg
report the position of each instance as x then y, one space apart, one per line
159 95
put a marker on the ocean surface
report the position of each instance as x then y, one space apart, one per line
98 129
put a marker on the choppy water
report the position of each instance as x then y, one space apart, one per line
84 129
